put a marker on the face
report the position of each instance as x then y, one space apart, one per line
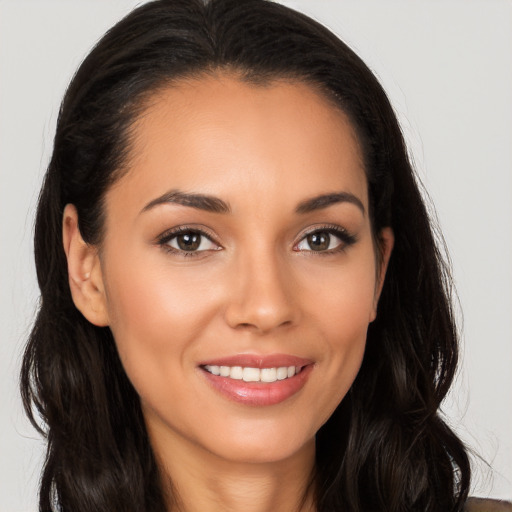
238 270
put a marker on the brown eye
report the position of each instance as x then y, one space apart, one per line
188 241
319 241
327 240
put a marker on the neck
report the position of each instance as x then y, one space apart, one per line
196 480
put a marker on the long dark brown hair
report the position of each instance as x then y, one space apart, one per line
386 446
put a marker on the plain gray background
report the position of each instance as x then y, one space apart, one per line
447 66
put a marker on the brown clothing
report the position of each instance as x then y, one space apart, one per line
486 505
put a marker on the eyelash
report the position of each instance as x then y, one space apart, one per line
342 234
164 239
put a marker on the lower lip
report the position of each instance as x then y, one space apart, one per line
259 393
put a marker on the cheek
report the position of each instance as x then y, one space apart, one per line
345 328
342 297
154 315
342 310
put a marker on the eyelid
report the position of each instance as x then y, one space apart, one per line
164 238
347 239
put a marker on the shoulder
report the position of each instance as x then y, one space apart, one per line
487 505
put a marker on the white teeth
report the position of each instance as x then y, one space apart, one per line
254 374
282 373
236 373
251 375
268 375
215 370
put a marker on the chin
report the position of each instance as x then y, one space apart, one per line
262 443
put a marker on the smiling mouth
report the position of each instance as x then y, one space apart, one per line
248 374
257 379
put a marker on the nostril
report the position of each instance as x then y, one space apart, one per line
260 327
260 306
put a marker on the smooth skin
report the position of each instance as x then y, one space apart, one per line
256 282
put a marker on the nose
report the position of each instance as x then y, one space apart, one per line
262 294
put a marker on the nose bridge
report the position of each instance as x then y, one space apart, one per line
262 290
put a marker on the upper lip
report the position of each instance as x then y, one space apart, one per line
258 361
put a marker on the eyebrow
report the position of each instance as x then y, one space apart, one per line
199 201
325 200
215 205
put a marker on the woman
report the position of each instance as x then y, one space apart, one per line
228 204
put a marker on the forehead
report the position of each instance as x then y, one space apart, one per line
219 135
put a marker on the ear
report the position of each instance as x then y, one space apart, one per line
84 271
385 242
